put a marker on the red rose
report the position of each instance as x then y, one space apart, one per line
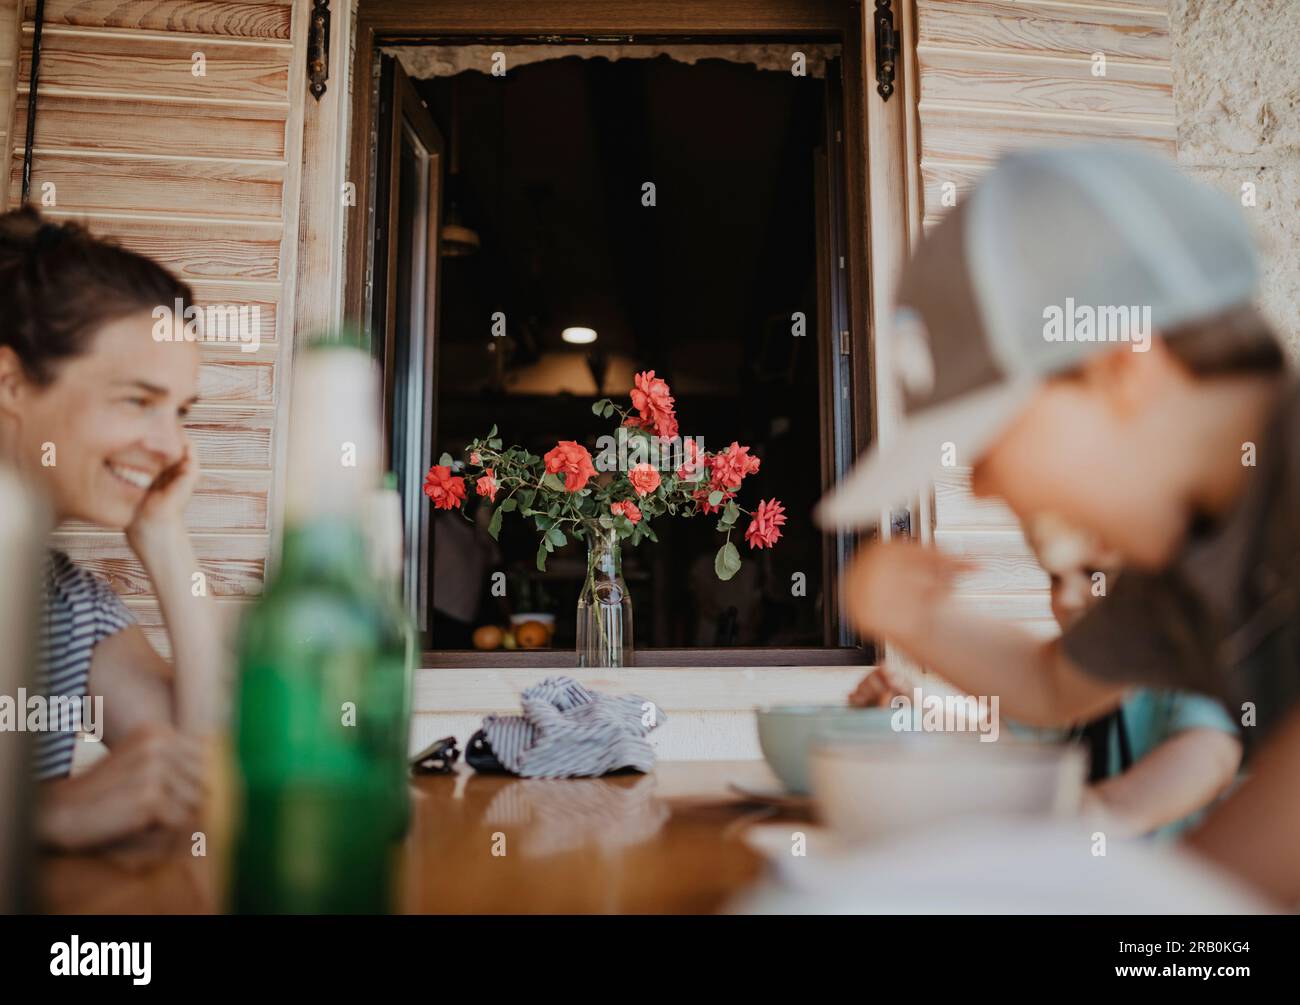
695 461
487 485
651 398
701 496
445 489
730 466
764 529
644 478
627 509
574 460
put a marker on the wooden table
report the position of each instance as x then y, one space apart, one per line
667 842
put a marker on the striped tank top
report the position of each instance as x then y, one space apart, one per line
80 611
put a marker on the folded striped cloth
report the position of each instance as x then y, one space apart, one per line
567 731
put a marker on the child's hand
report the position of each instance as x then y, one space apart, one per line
890 589
876 690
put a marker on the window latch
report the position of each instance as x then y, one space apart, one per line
886 48
318 48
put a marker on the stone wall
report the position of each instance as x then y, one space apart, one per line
1237 92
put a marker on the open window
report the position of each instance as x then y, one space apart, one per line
404 305
739 280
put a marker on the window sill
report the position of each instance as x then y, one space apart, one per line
736 657
481 689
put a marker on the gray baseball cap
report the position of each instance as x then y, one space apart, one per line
1056 255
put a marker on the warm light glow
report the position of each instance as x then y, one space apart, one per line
579 336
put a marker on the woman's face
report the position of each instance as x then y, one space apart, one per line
97 436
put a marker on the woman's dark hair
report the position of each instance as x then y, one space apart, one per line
59 284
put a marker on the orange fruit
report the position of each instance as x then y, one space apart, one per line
487 637
532 635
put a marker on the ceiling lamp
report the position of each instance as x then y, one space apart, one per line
579 336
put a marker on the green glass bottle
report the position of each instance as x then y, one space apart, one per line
384 546
318 698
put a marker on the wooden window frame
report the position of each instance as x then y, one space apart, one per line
882 175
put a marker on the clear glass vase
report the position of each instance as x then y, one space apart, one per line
604 606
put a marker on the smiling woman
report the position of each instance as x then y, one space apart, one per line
91 411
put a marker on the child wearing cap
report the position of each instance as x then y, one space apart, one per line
1168 429
1159 758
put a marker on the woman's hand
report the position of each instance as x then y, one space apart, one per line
891 589
153 779
161 512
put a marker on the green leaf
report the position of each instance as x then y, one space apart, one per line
553 481
493 431
598 408
541 558
727 562
609 410
526 497
607 522
648 531
494 444
508 505
556 537
445 460
494 525
715 497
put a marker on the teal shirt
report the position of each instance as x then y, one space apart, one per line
1151 718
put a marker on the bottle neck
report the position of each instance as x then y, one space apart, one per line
325 546
603 556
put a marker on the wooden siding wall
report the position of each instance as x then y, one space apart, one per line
8 57
201 172
997 76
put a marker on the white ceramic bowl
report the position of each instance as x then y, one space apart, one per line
867 788
786 733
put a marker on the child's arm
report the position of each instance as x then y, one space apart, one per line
901 593
1180 776
1256 832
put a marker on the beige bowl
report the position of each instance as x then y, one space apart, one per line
868 788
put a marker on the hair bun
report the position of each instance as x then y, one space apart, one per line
50 235
19 230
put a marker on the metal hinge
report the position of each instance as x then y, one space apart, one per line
846 342
886 48
318 48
